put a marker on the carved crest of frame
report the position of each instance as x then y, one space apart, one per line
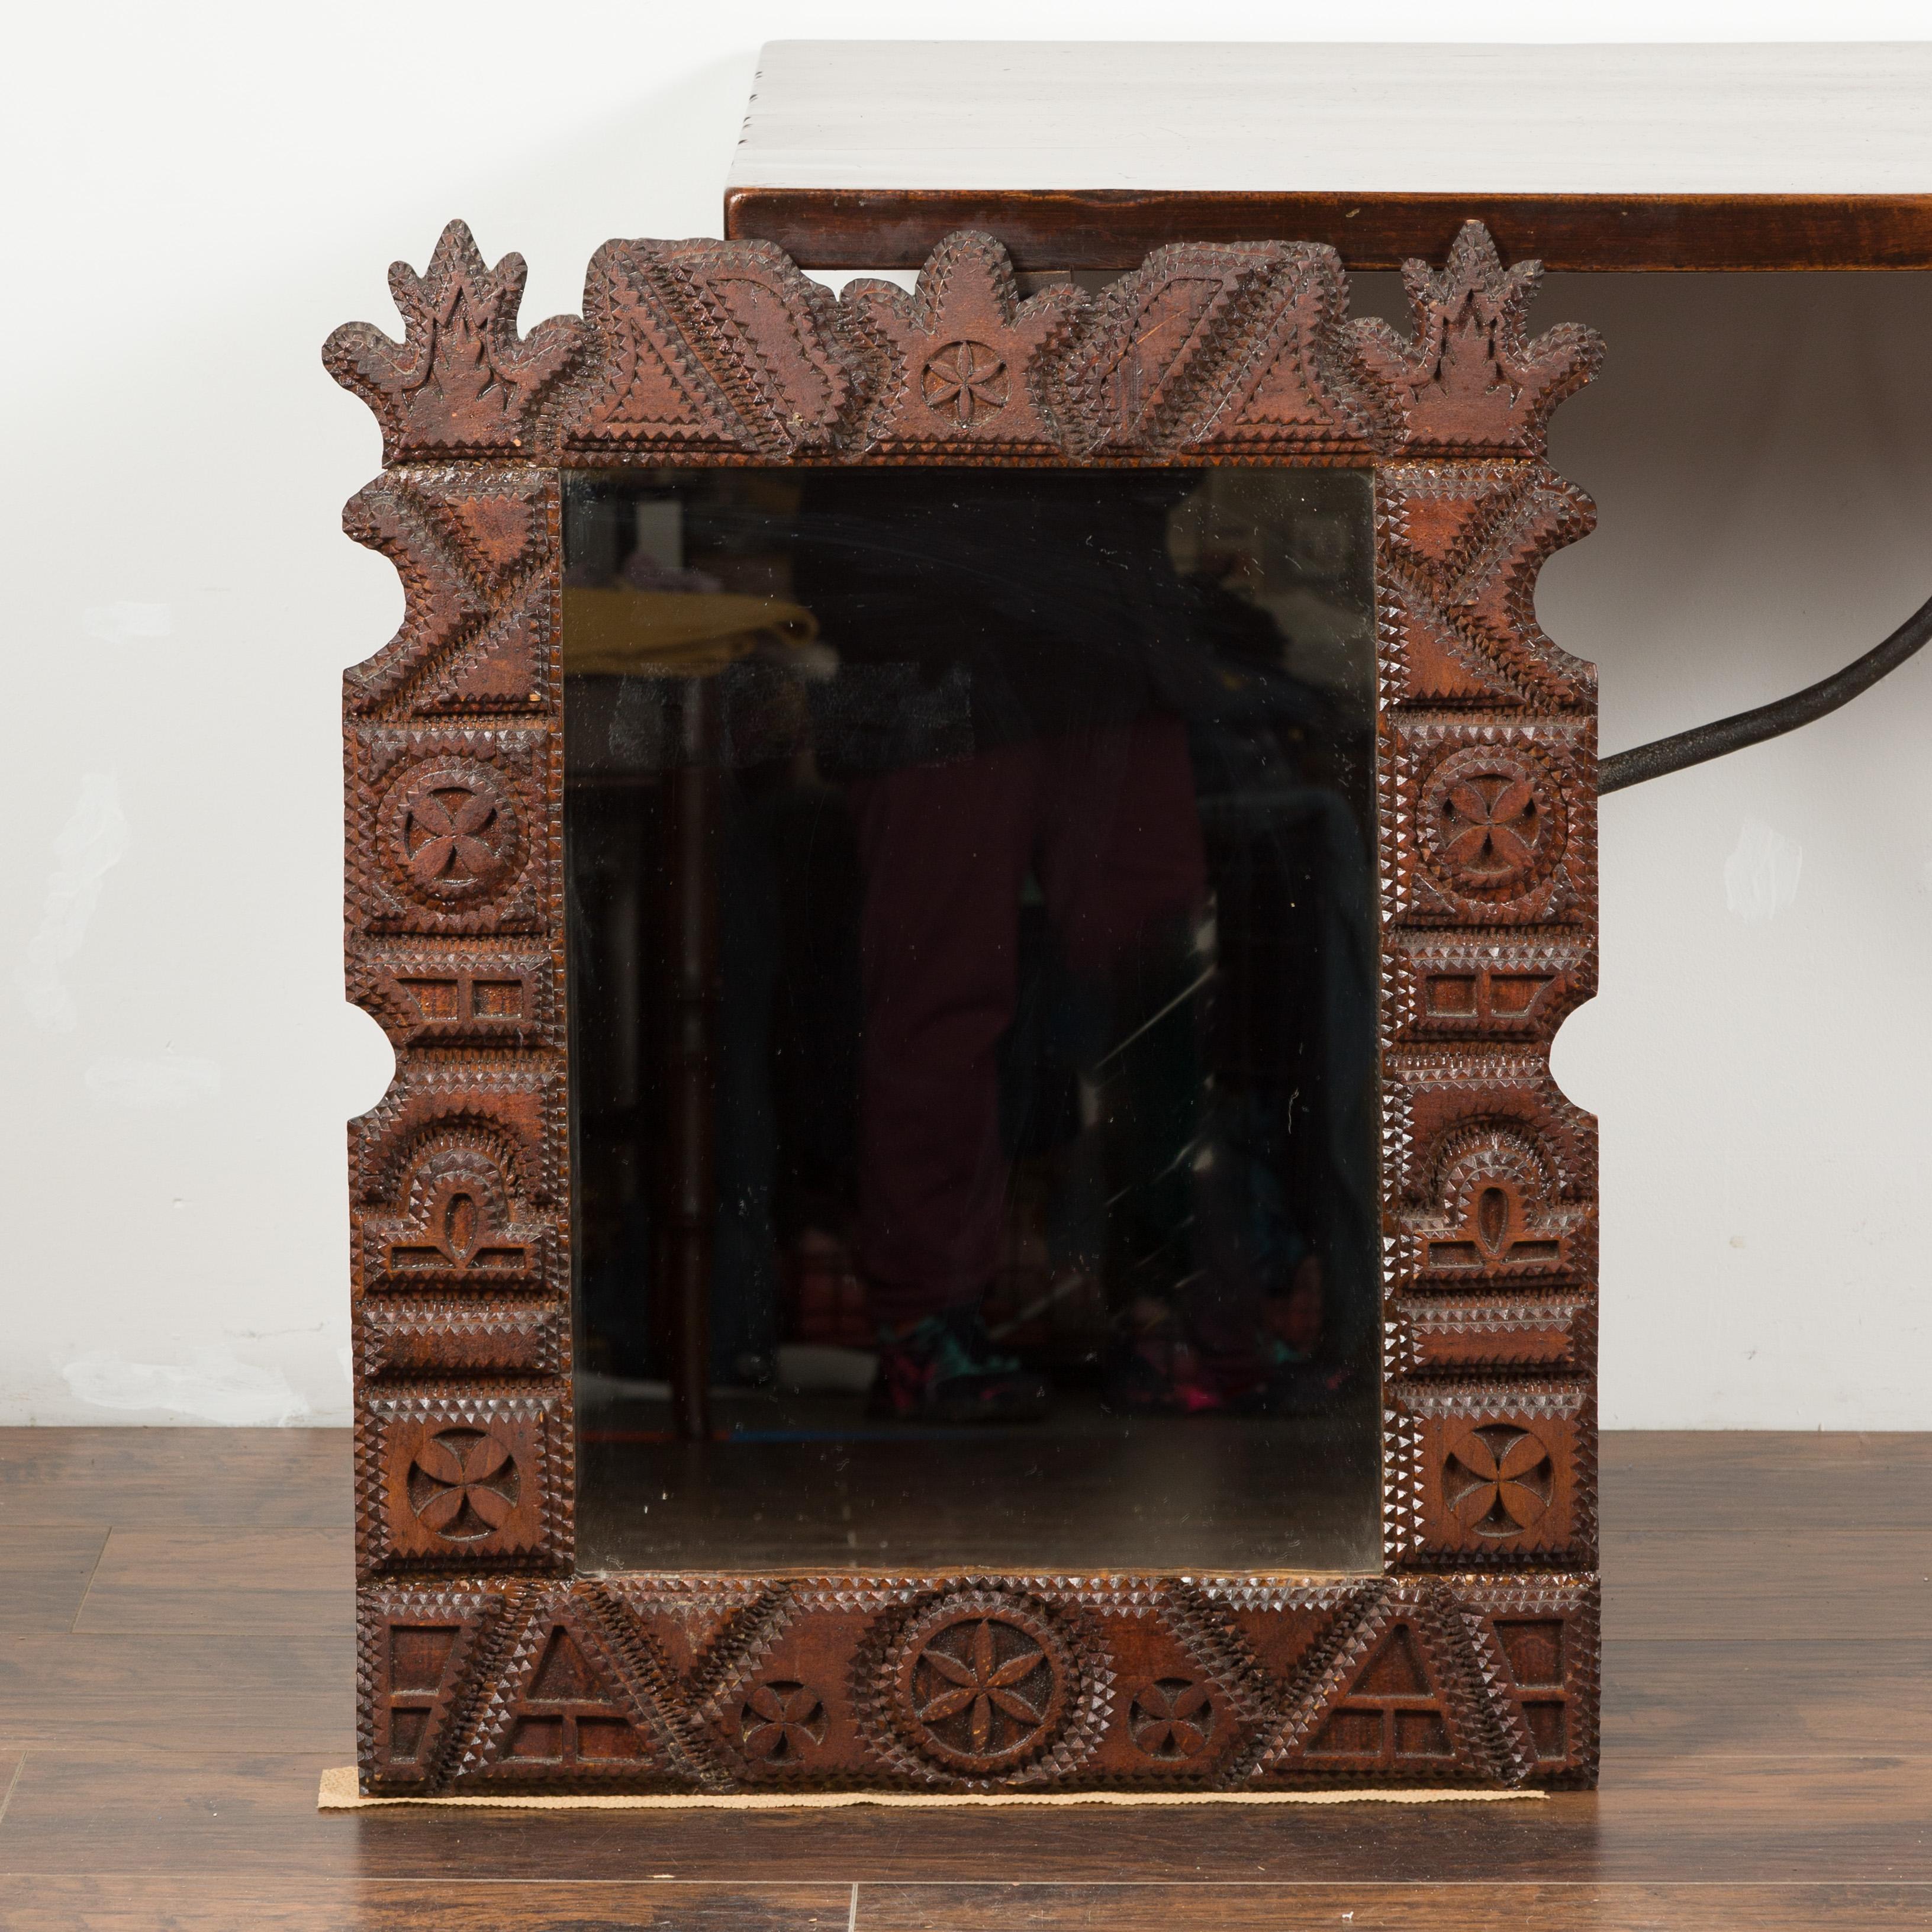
485 1662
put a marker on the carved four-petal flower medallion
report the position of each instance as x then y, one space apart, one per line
1498 1481
1491 823
452 833
463 1484
1171 1718
780 1722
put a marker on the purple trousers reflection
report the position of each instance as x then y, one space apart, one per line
1106 820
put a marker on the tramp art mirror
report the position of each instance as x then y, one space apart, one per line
971 886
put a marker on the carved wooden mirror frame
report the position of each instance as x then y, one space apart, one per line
486 1664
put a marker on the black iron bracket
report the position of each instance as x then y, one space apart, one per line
1704 742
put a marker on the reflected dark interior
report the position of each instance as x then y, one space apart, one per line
973 969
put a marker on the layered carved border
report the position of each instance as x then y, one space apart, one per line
725 351
724 1684
484 1663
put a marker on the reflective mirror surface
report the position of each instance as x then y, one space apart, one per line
972 971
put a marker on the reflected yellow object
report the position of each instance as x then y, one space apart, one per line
673 633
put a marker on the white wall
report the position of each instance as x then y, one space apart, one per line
1760 448
196 194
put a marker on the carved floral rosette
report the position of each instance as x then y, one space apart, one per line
484 1663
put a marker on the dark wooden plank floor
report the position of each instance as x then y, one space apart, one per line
175 1671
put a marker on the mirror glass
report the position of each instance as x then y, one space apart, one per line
973 1018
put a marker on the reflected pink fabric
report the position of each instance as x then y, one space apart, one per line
1106 820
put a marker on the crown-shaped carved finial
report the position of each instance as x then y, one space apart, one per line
1469 380
461 382
968 358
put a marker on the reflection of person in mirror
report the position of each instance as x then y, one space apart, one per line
1054 612
1103 819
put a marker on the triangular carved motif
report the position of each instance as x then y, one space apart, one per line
696 1629
1460 547
495 529
655 397
505 666
566 1708
1393 1712
1280 1640
1395 1671
1386 1705
1284 397
1160 336
654 391
1431 659
474 637
712 345
1495 590
1443 518
1293 392
562 1675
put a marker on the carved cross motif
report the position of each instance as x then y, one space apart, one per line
1173 1717
462 1477
1490 827
1498 1481
1490 823
779 1722
446 835
455 832
463 1484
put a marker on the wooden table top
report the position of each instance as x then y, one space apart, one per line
1086 154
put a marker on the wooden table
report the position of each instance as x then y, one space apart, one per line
1087 154
1762 1766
